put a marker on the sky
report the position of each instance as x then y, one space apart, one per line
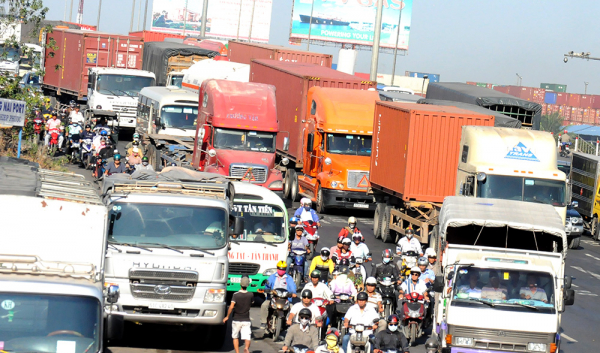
462 40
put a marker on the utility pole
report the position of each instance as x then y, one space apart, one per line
375 53
71 12
312 7
185 17
132 12
99 11
204 19
397 38
251 21
519 80
65 15
80 12
145 15
139 15
586 84
237 37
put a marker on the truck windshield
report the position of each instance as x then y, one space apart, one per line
122 85
262 223
551 192
171 225
180 116
505 289
358 145
176 81
9 53
230 139
49 323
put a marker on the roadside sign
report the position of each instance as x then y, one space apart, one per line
12 112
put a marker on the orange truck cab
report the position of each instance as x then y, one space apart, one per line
336 151
236 131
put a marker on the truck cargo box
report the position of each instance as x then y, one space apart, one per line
416 149
292 81
78 50
164 57
527 112
243 52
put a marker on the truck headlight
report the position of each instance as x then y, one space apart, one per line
277 184
334 184
536 347
269 271
463 341
98 106
214 296
575 220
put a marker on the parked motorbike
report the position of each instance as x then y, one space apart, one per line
312 236
387 289
297 266
359 341
280 309
414 313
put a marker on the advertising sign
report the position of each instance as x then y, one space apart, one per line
12 112
225 17
351 21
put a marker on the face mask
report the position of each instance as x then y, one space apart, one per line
352 226
409 236
393 328
307 208
324 257
145 163
386 260
331 342
304 322
281 272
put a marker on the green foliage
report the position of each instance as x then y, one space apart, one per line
553 123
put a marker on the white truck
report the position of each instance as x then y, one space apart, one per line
168 239
52 294
511 164
502 285
214 69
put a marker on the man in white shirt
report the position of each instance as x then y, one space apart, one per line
409 243
305 303
471 289
414 284
359 248
494 291
532 291
318 289
360 314
76 116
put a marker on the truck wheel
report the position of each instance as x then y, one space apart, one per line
377 220
386 232
286 185
574 243
320 203
293 185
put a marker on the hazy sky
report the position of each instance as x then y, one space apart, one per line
463 40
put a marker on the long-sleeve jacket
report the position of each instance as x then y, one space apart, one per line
387 339
295 336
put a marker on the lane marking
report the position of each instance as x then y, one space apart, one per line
595 275
574 286
324 221
568 338
591 242
586 292
593 257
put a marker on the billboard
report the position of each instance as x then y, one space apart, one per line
351 21
224 18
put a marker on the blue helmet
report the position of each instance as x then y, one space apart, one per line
103 133
294 220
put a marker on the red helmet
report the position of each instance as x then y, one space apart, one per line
393 319
333 331
387 254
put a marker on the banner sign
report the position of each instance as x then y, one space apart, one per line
225 17
351 21
12 112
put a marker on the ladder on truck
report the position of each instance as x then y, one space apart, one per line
67 186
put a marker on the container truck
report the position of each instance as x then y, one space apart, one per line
99 69
236 131
585 181
168 239
214 69
244 52
502 284
52 289
333 173
167 60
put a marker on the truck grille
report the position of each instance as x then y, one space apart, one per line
127 111
252 173
163 284
358 179
243 269
508 341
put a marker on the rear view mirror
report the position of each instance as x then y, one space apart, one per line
112 294
438 284
575 204
568 282
238 226
310 139
569 297
286 143
450 276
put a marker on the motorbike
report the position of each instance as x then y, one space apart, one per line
38 124
341 308
321 303
360 273
409 260
86 153
281 308
53 143
312 236
298 348
414 311
297 266
359 341
565 150
74 148
387 289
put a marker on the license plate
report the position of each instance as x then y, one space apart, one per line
361 205
161 306
235 279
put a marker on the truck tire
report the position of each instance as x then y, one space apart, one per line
574 243
379 209
286 185
293 185
320 203
386 232
154 158
594 228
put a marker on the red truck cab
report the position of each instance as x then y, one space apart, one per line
236 131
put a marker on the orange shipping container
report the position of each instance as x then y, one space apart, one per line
152 36
416 149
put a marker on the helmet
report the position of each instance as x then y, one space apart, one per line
281 265
135 143
341 239
344 262
315 274
293 220
305 201
305 312
422 261
408 231
103 133
431 345
362 296
136 136
358 235
88 126
352 220
144 159
415 270
387 254
371 280
307 294
430 253
333 331
72 103
325 252
393 319
346 241
117 157
299 226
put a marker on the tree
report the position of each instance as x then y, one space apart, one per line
553 123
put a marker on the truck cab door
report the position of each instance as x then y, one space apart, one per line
312 140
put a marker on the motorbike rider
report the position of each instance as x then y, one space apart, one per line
87 132
302 333
360 314
76 115
96 141
427 275
344 252
331 344
340 284
350 229
431 258
136 138
323 262
75 131
318 288
116 166
409 243
375 298
306 302
305 213
136 145
391 338
299 243
145 165
359 248
414 284
337 246
134 158
386 268
278 280
53 124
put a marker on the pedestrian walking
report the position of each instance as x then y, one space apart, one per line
241 324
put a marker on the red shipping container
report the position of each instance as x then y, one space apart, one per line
503 89
429 138
490 85
554 108
80 50
574 100
577 114
544 109
595 101
207 44
514 91
586 116
592 116
362 75
562 98
526 93
292 82
538 95
597 116
586 101
153 36
244 53
565 112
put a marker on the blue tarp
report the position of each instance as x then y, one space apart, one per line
587 132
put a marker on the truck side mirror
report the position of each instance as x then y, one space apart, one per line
468 186
438 284
114 327
568 282
286 143
310 140
450 276
238 226
112 294
157 123
569 297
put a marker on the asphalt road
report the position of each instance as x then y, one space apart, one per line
579 322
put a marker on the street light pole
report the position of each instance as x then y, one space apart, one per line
586 84
145 14
397 38
375 53
132 13
98 19
312 7
582 55
71 12
519 80
251 21
423 85
237 37
204 19
185 15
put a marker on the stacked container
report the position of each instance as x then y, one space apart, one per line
539 95
574 100
550 97
562 98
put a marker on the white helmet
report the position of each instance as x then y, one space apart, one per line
415 270
305 201
352 220
430 253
